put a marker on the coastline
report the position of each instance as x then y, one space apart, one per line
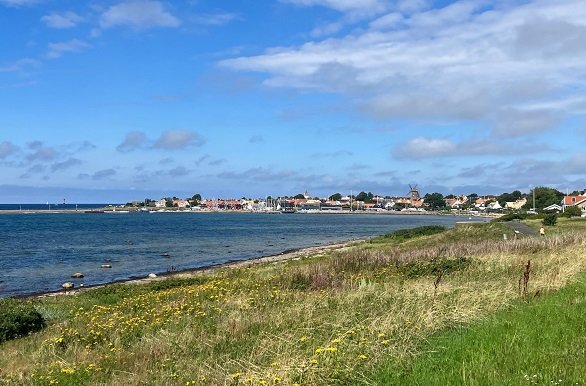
277 256
289 254
321 212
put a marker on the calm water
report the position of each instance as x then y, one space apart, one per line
17 207
38 252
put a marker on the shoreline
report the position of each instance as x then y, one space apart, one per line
321 212
286 255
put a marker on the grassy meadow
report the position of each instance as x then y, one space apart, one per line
372 313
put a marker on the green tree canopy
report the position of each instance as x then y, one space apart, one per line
509 197
544 197
335 197
434 200
366 197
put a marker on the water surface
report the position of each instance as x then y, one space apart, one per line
38 252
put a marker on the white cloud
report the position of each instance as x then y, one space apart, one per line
466 60
39 152
20 65
512 122
342 5
64 165
7 149
178 139
425 147
19 3
214 19
134 140
138 14
62 20
561 173
56 50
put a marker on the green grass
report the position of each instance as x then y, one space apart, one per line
563 225
539 342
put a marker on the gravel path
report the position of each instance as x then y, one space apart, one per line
521 228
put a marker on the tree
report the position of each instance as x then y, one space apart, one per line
195 199
361 196
544 197
434 200
299 196
509 197
335 197
365 197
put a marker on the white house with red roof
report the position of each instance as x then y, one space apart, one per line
579 201
181 203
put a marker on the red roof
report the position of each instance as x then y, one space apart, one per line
573 200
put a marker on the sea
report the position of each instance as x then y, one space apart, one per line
40 251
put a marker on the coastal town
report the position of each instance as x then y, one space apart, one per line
538 200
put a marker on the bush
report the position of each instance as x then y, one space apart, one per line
550 219
417 269
404 234
572 211
510 217
18 318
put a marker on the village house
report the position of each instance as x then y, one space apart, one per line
516 205
494 205
162 203
481 202
553 208
579 201
456 202
181 204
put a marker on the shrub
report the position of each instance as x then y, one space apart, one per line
550 219
18 318
417 269
510 217
572 211
404 234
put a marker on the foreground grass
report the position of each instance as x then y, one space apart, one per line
541 342
329 319
563 225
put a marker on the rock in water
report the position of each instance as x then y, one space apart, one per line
67 285
152 275
106 265
77 275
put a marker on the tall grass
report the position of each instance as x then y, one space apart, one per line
540 344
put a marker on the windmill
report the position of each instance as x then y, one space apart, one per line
414 193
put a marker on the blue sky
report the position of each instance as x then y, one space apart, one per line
121 100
